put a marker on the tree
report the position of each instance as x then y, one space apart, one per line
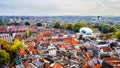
27 23
117 34
28 34
102 36
113 29
77 26
16 24
2 23
118 26
114 36
56 25
4 57
108 29
5 45
9 51
97 25
68 27
105 28
17 44
51 24
39 24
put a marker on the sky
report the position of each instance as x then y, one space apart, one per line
59 7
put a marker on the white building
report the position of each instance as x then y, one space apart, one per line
7 37
98 44
86 31
52 50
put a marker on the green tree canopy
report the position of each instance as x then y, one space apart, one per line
4 57
28 33
27 23
113 29
2 23
77 26
118 26
68 27
56 25
117 34
105 28
39 24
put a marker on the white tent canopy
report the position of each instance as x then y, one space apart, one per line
86 30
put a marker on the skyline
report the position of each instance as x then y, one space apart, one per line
59 7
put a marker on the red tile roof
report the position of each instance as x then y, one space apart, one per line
66 46
30 43
42 35
57 39
33 50
73 41
56 65
26 64
68 39
106 49
17 36
112 61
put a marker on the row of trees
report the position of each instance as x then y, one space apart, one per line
109 36
8 51
104 28
3 23
73 27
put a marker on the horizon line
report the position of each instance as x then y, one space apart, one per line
59 15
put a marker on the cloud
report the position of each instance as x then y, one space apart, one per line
60 7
